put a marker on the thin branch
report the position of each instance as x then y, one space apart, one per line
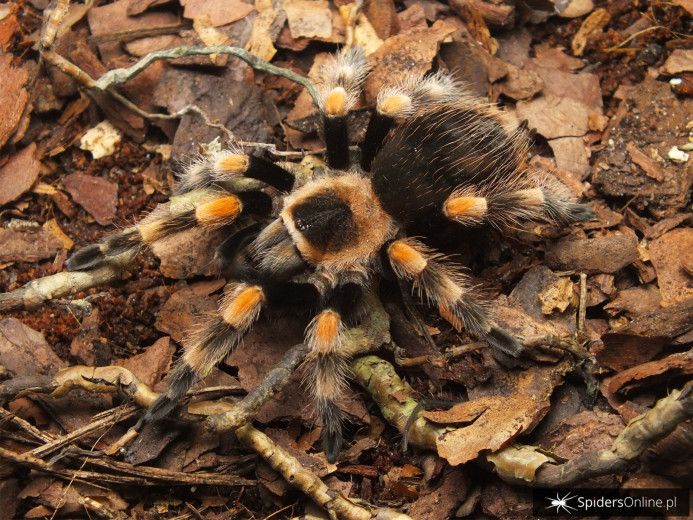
303 479
391 394
119 76
640 434
37 292
132 474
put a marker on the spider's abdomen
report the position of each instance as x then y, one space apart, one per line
440 150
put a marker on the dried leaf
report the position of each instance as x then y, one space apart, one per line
400 56
153 363
651 168
670 254
517 462
504 417
189 253
13 97
114 18
685 4
19 174
220 12
261 41
558 296
28 246
96 195
605 254
309 18
365 35
593 23
627 380
185 308
585 431
441 501
576 8
25 352
681 60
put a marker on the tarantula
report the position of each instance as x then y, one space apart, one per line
433 156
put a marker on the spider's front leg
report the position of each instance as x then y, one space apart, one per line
202 201
444 285
327 361
340 83
220 335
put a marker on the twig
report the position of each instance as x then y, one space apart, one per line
135 34
119 76
303 479
271 383
133 475
37 292
53 15
582 310
640 433
117 414
391 395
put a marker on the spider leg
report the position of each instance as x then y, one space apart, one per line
219 167
326 374
207 208
445 285
397 103
210 345
503 205
340 83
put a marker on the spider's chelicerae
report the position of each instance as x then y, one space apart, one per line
433 157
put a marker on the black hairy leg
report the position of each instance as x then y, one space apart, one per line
340 87
221 334
327 362
209 208
221 167
505 204
444 285
209 345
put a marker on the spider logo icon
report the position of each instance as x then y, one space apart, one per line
561 503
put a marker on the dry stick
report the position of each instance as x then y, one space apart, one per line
133 475
53 15
37 292
582 309
271 383
380 380
309 483
640 433
119 76
118 414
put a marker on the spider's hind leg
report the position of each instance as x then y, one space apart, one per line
453 293
503 203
